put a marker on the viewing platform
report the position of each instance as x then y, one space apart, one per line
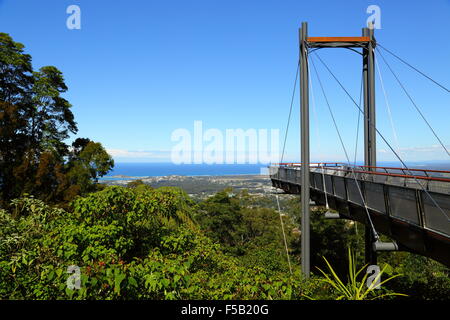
411 206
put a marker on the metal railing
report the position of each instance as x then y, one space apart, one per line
396 194
430 180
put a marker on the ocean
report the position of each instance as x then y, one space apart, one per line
136 170
129 170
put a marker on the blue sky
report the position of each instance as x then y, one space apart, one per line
138 70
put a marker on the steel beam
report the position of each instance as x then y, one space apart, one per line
338 42
304 138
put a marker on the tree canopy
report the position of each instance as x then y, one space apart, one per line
35 123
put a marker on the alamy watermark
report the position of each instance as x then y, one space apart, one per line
74 280
231 146
374 20
374 279
73 22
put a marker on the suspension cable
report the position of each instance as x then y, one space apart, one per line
375 234
357 138
284 234
314 107
324 186
290 110
412 67
281 161
388 107
359 116
415 105
383 138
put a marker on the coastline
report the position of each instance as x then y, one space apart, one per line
125 177
201 186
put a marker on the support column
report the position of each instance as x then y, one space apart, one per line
370 156
304 124
370 133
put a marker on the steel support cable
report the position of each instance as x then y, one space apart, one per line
414 68
359 116
314 107
324 186
290 110
374 231
281 161
388 107
383 138
284 234
414 104
357 137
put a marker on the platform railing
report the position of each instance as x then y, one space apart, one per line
421 199
430 180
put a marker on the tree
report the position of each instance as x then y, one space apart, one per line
35 121
222 219
135 183
16 76
16 80
50 117
78 145
48 122
87 164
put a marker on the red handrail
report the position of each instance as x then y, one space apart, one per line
386 174
397 175
415 169
363 166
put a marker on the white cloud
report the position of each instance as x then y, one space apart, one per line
137 154
432 148
419 153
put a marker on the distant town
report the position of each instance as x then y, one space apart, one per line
202 186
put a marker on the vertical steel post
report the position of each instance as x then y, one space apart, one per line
372 115
370 156
304 120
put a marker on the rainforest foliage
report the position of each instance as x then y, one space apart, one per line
145 243
137 243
